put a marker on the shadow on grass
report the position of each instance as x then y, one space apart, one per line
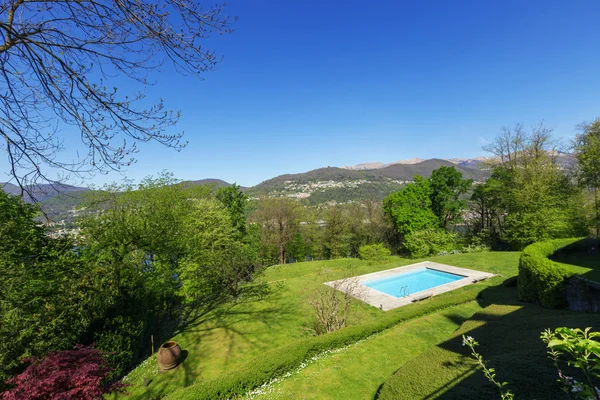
256 303
508 333
584 253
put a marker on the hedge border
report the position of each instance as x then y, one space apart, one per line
542 280
276 362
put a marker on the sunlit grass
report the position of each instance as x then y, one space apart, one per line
228 336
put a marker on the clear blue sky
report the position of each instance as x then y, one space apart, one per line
306 84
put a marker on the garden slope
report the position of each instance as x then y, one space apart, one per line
228 337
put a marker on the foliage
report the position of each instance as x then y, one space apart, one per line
490 373
529 196
582 350
234 201
374 252
157 244
278 221
49 297
447 186
58 60
336 235
410 208
79 373
429 242
476 245
541 279
587 151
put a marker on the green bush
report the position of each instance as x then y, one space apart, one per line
541 279
277 362
429 242
374 252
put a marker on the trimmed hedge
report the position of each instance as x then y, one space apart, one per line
276 362
541 279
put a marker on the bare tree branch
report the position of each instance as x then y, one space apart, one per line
57 58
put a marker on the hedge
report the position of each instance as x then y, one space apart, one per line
276 362
541 279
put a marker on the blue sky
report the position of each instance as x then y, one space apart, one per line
306 84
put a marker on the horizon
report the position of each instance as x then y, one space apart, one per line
309 85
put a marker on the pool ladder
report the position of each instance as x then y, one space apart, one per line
404 291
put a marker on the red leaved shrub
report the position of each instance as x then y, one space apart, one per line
68 374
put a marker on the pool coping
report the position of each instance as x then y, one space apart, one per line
387 302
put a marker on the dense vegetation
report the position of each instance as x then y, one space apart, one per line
152 257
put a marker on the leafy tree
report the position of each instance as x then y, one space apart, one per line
58 59
78 373
447 186
529 197
587 151
278 219
48 296
336 235
410 208
235 201
215 257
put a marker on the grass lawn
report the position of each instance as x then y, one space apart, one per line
582 262
358 371
509 337
222 338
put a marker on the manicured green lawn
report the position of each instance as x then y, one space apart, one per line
582 262
357 372
220 339
509 337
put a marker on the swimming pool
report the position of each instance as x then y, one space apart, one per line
400 286
409 283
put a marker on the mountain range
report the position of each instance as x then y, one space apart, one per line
320 186
463 162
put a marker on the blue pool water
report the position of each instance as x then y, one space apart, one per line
409 283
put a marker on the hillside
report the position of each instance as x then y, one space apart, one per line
334 184
41 192
323 185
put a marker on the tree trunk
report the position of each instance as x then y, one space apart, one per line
281 254
597 207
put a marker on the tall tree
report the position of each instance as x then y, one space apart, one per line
587 151
410 208
58 61
530 192
447 185
236 202
278 219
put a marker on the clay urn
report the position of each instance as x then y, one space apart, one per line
168 356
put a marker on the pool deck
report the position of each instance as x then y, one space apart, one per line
387 302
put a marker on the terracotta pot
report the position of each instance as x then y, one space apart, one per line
168 356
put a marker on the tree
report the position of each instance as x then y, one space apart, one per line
587 151
235 201
278 219
447 186
49 296
58 59
529 193
410 208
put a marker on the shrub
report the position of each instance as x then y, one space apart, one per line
541 279
374 252
68 374
429 242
